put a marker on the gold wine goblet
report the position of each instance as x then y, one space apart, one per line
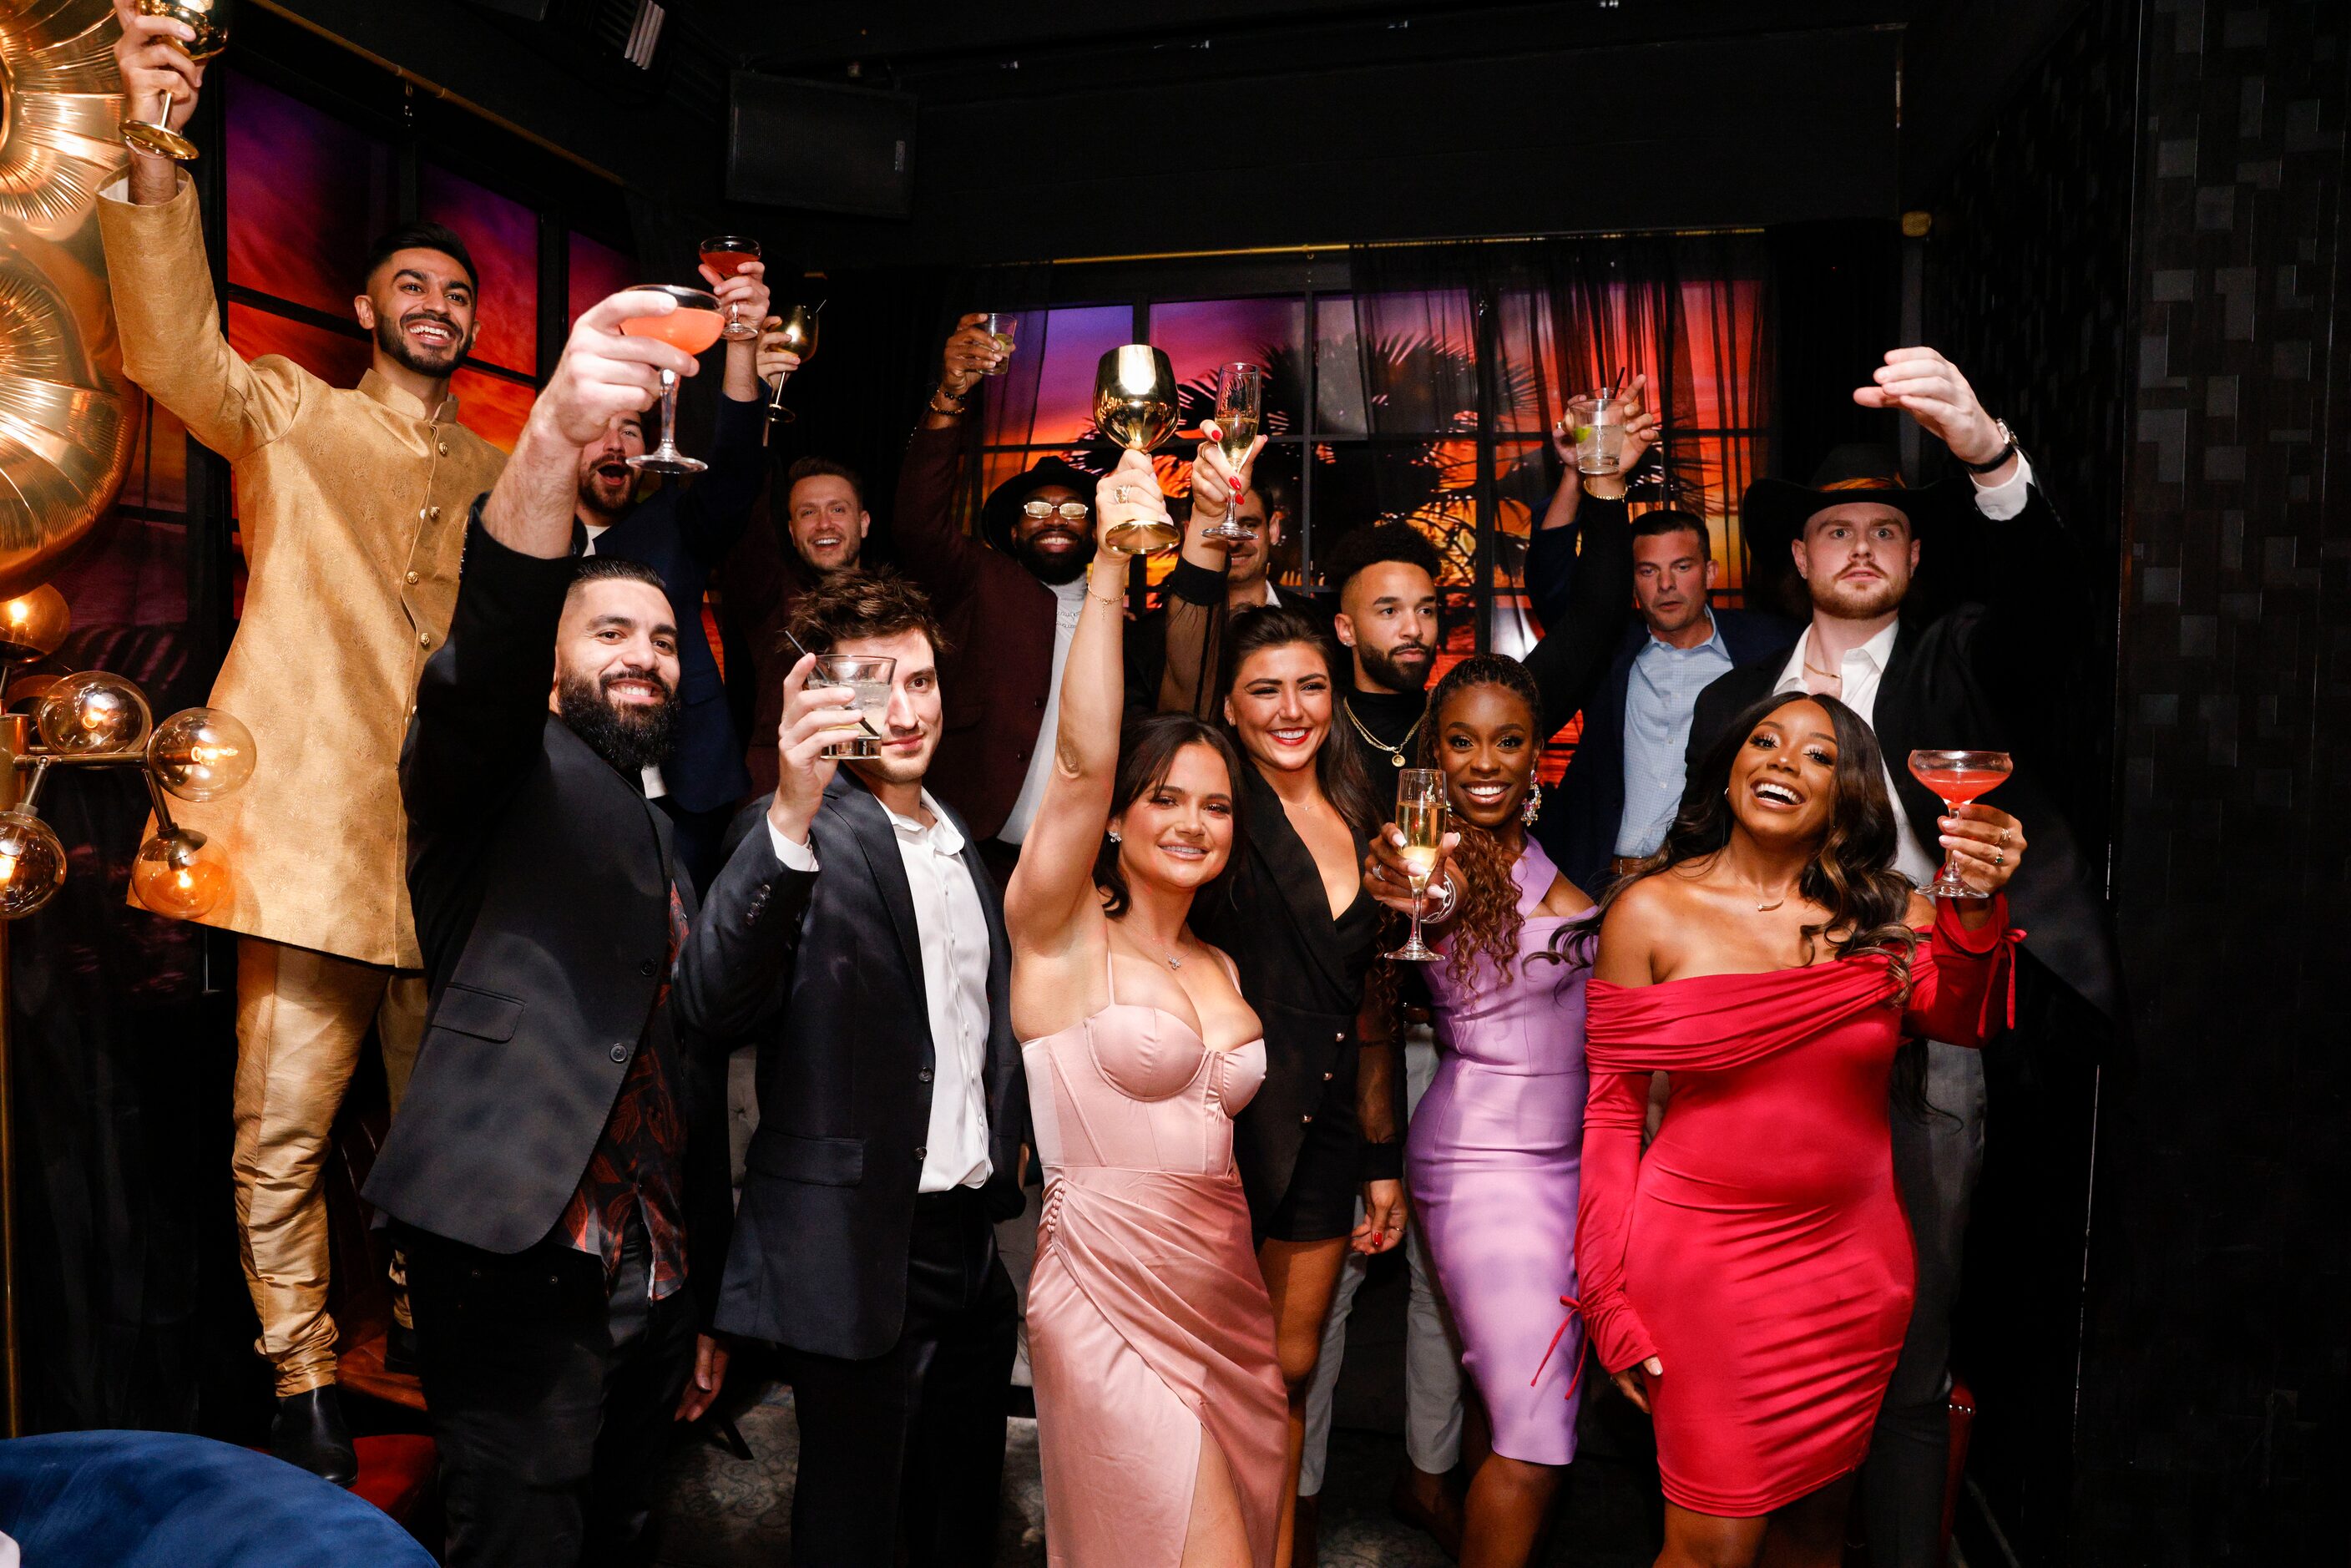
210 19
797 326
1135 405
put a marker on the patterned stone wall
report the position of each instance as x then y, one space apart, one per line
2212 1424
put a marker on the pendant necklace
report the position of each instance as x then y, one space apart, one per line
1395 752
1165 957
1763 908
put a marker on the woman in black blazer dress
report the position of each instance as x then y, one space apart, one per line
1291 913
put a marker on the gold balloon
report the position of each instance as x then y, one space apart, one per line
66 411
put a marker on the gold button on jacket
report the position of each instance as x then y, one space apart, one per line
352 503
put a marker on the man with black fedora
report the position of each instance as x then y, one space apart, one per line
1967 678
1008 602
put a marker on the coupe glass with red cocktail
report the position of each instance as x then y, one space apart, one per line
727 254
1958 777
693 326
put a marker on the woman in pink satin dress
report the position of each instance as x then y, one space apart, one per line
1161 1413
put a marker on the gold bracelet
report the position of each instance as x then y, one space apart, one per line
1114 601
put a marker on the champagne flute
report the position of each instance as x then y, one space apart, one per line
1001 328
725 256
1422 813
1957 777
693 326
798 324
1240 401
1134 405
210 19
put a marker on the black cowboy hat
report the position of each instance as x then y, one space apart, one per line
1001 511
1773 513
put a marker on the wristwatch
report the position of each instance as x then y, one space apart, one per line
2007 451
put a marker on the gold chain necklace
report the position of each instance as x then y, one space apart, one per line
1395 752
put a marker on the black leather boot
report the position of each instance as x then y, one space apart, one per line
309 1431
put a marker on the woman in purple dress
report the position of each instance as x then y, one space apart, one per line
1492 1160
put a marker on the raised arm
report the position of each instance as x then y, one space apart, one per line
1197 610
1054 883
941 557
716 507
1585 621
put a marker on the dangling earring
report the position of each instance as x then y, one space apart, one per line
1113 836
1533 807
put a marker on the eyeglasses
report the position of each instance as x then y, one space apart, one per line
1075 511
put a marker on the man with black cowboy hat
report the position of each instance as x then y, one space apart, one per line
1009 605
1855 536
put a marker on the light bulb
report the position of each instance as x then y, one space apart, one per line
179 874
32 864
92 712
33 625
200 753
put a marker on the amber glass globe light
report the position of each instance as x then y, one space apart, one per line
179 874
33 625
92 712
200 753
32 865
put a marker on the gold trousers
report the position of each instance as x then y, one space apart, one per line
301 1018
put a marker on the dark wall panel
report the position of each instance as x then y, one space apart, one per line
2213 1428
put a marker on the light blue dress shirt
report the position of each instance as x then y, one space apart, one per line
1660 695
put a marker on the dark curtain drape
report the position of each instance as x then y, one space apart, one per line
1839 285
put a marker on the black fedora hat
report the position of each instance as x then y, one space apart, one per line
1773 513
1001 511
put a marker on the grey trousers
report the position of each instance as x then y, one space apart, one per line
1937 1159
1432 1355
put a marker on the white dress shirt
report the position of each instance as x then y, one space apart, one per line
952 929
1861 670
1070 603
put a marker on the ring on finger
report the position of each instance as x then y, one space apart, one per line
1999 857
2003 838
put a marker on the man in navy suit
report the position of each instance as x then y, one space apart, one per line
1621 789
684 531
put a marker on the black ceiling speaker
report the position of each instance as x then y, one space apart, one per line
829 148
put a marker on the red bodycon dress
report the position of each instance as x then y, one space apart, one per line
1759 1247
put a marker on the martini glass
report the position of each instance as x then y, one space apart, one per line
210 19
725 254
1957 777
693 326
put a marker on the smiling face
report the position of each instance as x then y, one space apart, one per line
1857 560
616 670
607 483
1783 778
1280 705
1054 547
419 306
909 727
1486 744
828 524
1387 614
1178 834
1671 575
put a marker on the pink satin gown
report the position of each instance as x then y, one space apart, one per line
1149 1328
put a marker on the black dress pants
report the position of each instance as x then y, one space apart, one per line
906 1449
550 1397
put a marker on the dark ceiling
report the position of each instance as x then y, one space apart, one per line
1367 120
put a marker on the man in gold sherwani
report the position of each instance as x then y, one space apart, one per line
353 504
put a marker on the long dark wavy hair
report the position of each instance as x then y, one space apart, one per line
1488 922
1147 747
1851 875
1338 767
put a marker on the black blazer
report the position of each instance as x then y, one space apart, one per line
828 967
541 880
1939 690
683 532
1304 974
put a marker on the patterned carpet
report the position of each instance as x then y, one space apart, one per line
725 1512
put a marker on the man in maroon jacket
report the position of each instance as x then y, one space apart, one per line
1009 604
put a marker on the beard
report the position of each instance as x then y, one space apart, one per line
1053 568
394 341
1382 666
601 496
631 737
1854 601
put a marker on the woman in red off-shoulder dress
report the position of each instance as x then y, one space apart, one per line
1748 1278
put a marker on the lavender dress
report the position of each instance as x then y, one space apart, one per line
1492 1160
